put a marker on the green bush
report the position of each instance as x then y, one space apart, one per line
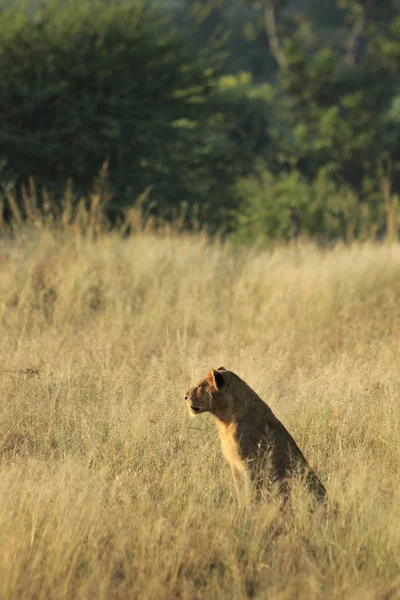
92 81
266 202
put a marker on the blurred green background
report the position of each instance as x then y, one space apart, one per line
253 119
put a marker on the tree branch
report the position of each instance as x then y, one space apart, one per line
353 39
270 26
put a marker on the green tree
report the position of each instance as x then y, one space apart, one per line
94 81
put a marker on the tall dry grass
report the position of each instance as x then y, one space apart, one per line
109 489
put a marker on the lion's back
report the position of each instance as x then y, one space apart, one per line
266 445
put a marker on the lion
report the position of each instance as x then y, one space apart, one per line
260 451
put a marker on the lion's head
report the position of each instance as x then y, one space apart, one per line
207 395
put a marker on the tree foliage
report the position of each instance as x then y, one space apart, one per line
89 82
221 112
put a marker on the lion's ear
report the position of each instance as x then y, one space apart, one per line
221 369
218 379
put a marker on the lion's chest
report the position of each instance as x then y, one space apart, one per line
230 447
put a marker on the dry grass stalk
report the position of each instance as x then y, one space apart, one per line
105 489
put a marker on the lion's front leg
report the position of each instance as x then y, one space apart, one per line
242 483
261 475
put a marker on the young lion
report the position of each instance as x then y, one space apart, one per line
254 442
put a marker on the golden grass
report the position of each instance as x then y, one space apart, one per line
110 490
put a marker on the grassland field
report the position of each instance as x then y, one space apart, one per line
109 489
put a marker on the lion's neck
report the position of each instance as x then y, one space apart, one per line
240 408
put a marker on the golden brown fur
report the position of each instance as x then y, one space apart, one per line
256 445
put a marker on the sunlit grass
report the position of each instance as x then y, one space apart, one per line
109 489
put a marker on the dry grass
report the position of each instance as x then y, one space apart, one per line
109 489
